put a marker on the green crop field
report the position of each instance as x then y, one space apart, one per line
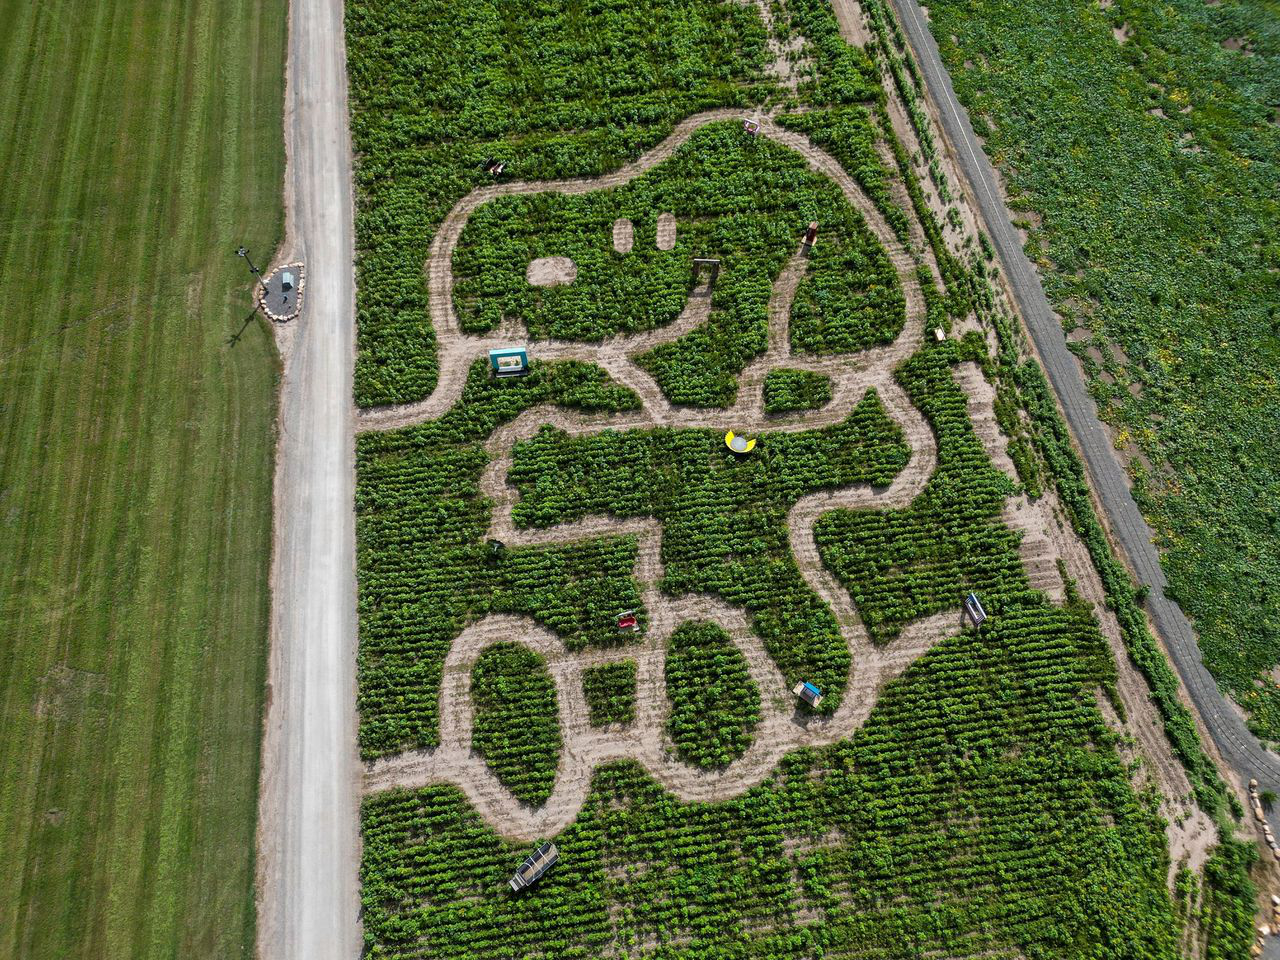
1143 140
985 807
139 144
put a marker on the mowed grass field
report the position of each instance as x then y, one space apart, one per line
140 142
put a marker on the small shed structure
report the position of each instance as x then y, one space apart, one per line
709 263
534 866
808 693
509 361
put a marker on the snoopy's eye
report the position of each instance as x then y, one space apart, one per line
666 231
551 271
623 235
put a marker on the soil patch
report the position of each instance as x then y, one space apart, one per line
853 24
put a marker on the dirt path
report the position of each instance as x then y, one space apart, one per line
458 349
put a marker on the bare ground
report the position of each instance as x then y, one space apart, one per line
853 23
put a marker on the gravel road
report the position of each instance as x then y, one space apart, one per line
308 839
1241 749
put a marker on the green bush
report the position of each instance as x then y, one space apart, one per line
786 390
1152 167
715 704
517 727
723 517
982 810
610 690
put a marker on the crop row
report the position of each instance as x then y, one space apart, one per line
1161 245
786 390
610 692
425 571
714 703
743 200
981 810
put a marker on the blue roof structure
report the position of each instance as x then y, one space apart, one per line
809 693
509 361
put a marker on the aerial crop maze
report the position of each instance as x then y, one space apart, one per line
958 793
723 546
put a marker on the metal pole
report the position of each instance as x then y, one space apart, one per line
244 252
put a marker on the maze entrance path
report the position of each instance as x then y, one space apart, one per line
782 727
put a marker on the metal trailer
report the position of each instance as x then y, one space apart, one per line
534 866
973 607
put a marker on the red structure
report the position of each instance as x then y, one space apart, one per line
811 235
628 621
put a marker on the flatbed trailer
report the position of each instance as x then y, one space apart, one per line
534 866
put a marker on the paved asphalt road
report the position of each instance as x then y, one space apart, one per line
308 815
1237 744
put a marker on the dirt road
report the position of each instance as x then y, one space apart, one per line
1126 523
308 841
